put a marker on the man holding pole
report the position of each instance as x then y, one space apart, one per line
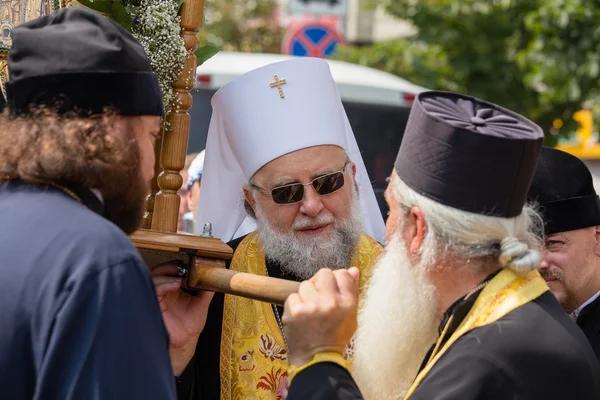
285 185
456 308
78 313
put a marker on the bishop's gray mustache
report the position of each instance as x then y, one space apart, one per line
303 222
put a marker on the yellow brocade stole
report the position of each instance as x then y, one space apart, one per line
506 292
253 355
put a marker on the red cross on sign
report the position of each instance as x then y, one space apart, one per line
312 40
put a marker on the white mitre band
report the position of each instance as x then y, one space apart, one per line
257 118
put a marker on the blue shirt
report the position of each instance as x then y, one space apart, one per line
79 318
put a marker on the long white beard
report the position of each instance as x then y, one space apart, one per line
303 257
396 327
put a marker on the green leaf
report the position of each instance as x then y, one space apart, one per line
204 53
563 19
179 4
131 10
574 91
594 69
102 6
119 14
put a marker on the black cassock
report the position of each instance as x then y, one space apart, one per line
79 318
535 352
589 322
201 379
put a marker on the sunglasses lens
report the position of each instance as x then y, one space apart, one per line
329 183
288 194
294 193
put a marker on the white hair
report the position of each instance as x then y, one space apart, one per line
514 242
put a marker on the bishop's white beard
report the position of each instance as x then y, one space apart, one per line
303 257
397 325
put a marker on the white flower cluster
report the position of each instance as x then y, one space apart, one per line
157 27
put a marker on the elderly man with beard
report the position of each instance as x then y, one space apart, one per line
563 188
78 312
462 255
284 184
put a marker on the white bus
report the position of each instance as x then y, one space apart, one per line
377 104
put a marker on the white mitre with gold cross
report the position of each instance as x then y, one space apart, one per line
265 114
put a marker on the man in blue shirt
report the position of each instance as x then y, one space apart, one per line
79 318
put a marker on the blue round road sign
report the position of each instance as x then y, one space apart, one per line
313 41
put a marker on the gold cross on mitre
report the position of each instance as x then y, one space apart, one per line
278 83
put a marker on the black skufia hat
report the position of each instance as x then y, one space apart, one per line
75 59
469 154
564 189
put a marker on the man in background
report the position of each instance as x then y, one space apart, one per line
184 205
192 191
563 188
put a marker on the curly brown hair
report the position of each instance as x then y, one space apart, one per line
44 146
77 152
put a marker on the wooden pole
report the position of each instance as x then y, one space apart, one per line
158 242
174 143
205 259
210 275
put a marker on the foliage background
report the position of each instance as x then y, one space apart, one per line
242 25
538 57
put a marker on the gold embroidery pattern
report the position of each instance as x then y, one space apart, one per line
253 353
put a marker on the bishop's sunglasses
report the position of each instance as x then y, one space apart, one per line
294 192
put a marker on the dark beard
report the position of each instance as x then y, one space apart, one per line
125 199
126 209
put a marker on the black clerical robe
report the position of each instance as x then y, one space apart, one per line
79 317
533 353
589 322
201 379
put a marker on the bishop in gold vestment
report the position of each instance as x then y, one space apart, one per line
284 183
242 353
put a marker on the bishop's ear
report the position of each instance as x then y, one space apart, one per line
250 199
